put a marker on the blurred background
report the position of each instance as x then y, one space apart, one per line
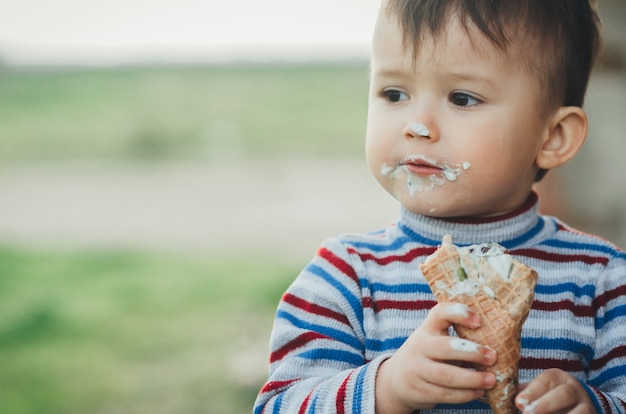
166 170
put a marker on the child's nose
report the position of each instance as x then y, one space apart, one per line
416 129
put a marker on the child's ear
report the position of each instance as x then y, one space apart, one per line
565 136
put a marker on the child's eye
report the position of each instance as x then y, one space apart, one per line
463 99
394 95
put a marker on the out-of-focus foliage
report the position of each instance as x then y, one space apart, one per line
188 113
123 332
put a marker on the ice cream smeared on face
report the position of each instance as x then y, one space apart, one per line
418 183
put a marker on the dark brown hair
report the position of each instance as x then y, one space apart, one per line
563 36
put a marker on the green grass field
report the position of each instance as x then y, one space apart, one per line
188 113
124 332
134 332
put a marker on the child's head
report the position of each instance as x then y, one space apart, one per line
559 39
471 100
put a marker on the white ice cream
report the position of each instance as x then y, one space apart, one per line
419 129
463 345
416 183
458 309
495 255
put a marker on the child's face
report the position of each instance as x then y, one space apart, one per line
483 114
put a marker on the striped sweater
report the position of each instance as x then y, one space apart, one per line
361 296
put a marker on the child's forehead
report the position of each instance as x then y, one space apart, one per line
455 53
457 34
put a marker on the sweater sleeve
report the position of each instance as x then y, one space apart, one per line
317 357
607 372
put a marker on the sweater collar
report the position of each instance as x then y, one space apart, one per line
513 230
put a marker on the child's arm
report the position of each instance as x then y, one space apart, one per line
317 346
318 359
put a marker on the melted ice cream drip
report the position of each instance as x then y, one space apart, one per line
416 183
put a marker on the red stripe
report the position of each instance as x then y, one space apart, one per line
298 342
619 352
408 305
601 300
604 401
314 309
547 363
580 311
405 258
561 258
341 396
304 404
276 385
339 263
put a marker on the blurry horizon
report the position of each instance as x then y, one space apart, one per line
89 33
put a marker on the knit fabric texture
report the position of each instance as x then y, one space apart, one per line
362 295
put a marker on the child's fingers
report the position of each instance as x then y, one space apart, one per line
438 382
553 391
453 378
443 315
554 401
437 393
447 348
450 348
469 351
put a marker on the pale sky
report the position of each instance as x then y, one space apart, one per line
113 31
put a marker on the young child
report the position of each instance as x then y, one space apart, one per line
471 102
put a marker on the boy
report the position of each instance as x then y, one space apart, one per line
470 104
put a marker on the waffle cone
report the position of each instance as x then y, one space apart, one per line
502 302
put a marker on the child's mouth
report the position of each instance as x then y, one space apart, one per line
423 174
421 167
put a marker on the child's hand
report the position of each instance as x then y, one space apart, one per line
422 372
554 391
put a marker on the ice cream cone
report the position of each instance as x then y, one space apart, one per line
501 290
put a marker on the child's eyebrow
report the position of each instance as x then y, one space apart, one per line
471 77
389 73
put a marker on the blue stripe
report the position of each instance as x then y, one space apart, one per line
593 397
397 244
562 344
278 403
313 404
602 248
610 315
400 288
607 375
358 391
336 355
509 244
324 330
512 243
578 291
417 237
355 302
390 344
